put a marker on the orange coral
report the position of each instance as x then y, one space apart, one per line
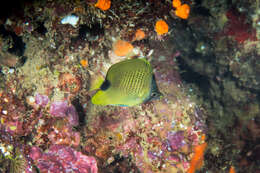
122 48
232 170
203 138
198 157
176 3
103 4
139 35
84 62
183 11
161 27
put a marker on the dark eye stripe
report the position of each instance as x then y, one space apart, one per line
105 85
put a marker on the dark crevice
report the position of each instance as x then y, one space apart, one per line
90 33
80 110
18 46
41 29
190 76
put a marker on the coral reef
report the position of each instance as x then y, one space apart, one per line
61 158
205 59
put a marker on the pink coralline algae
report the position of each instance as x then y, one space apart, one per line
176 140
72 116
41 100
63 109
60 158
59 108
35 153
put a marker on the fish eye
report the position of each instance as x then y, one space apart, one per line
154 94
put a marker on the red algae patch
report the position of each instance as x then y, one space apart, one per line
69 83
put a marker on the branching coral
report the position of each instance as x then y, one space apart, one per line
18 163
13 159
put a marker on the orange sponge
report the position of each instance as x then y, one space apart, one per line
183 11
198 157
161 27
103 4
232 170
176 3
122 48
139 35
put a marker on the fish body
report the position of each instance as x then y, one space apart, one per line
127 83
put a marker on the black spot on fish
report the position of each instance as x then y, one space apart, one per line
105 85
